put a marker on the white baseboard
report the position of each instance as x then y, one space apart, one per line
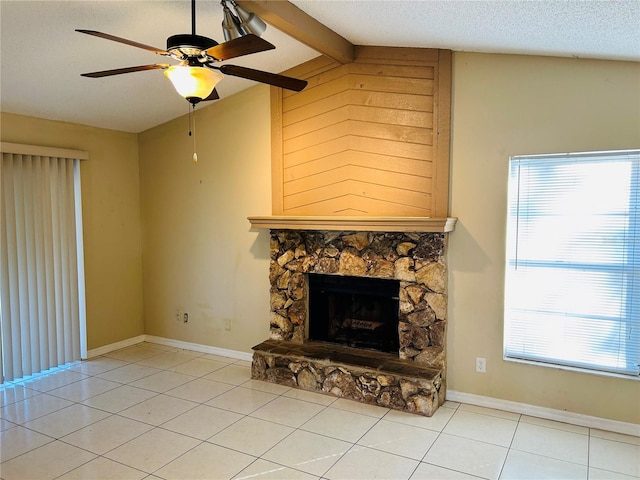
544 412
196 347
96 352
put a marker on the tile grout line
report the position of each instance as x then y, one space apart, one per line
439 435
589 454
353 444
513 437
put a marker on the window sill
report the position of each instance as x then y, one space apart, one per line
555 366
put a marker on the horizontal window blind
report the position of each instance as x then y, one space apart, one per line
572 283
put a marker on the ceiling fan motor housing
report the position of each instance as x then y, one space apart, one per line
185 45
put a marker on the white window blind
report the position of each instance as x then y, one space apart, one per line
572 284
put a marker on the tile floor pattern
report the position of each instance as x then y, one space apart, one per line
157 412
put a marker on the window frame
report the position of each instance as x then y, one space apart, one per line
631 263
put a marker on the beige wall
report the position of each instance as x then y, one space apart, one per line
506 105
111 220
200 254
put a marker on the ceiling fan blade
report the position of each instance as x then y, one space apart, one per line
118 71
264 77
123 40
239 46
212 96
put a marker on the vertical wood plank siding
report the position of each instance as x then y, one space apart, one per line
368 138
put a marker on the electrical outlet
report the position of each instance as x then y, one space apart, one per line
481 364
227 325
185 317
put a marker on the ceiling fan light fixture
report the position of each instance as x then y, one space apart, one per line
250 21
231 24
192 82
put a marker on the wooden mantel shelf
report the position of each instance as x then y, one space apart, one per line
372 224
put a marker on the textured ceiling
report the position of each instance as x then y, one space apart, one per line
41 56
585 29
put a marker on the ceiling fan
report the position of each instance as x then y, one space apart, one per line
197 73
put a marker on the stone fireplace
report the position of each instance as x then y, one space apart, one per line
410 377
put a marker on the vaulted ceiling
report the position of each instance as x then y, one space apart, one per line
42 57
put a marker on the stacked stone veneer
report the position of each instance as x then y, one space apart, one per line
417 260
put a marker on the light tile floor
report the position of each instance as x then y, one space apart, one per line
157 412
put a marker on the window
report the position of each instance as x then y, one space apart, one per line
572 283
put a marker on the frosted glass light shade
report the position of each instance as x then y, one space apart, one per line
193 83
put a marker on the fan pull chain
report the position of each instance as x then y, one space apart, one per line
192 130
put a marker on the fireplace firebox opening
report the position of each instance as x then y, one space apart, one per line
358 312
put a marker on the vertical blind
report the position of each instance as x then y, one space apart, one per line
42 280
572 283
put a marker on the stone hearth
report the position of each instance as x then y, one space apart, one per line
362 375
414 380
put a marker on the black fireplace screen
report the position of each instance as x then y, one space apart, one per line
354 311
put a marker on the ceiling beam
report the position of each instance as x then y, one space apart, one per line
289 19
